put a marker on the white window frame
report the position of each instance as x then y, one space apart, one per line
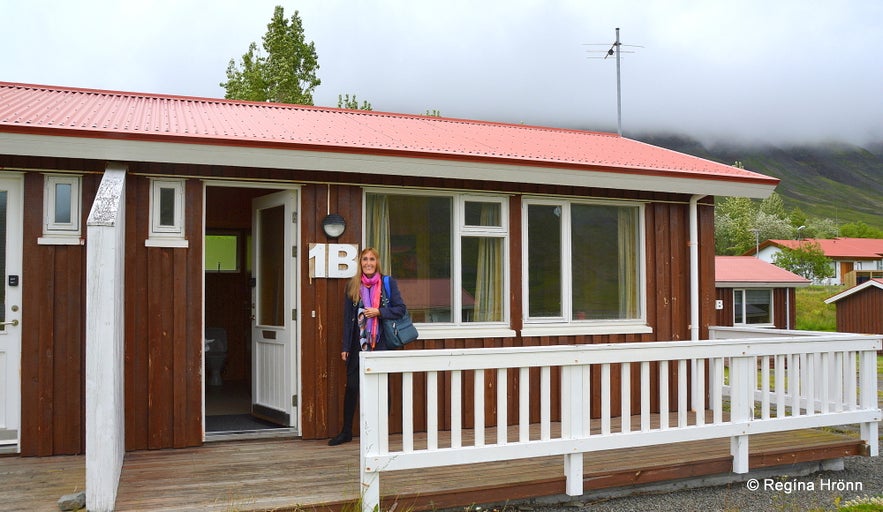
62 233
772 296
565 325
166 235
457 328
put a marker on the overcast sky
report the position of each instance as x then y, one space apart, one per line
745 70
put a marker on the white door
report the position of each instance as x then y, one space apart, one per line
274 358
10 312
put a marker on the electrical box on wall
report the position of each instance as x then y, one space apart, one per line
718 304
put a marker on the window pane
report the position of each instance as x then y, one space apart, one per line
166 206
221 253
757 307
544 260
738 305
483 214
271 272
482 276
604 262
419 247
62 203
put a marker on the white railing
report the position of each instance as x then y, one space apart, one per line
784 381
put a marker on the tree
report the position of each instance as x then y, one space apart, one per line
352 104
807 260
734 222
860 230
284 73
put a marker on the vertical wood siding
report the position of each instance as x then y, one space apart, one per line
861 312
784 308
163 351
668 311
163 378
53 353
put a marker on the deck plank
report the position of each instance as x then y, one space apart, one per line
289 474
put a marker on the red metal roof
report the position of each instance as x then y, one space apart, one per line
732 270
839 248
65 111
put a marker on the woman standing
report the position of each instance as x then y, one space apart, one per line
363 310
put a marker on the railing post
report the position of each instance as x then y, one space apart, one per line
742 405
572 426
369 435
868 376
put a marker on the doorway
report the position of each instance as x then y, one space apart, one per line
251 366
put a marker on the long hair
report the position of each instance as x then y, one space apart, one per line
352 288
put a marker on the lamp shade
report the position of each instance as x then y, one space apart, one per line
333 225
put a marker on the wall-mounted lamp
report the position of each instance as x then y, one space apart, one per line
333 225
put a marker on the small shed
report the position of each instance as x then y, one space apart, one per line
860 308
754 292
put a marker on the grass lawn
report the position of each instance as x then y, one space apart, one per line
812 312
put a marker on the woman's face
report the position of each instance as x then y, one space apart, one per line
369 263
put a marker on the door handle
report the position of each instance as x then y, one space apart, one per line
13 323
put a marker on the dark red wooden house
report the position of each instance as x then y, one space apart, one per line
752 292
501 235
860 308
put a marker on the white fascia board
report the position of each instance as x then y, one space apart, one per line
852 290
758 284
242 156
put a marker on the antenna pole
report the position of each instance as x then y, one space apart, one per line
618 88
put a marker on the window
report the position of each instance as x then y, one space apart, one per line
166 214
222 252
447 252
752 307
61 210
584 265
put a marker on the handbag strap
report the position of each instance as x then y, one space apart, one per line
386 287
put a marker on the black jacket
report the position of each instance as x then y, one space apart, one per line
395 308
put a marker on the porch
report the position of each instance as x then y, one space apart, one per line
291 474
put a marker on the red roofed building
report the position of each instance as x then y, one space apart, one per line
860 308
854 260
517 235
753 292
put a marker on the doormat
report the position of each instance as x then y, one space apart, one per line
235 423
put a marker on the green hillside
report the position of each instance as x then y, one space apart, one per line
837 181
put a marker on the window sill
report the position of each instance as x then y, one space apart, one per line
584 329
450 331
167 242
61 240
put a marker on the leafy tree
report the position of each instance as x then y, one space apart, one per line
284 73
807 260
734 221
773 205
352 103
434 113
860 230
820 228
797 217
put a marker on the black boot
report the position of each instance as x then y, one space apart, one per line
343 437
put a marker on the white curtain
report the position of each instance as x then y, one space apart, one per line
377 229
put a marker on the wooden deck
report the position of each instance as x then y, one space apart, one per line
293 474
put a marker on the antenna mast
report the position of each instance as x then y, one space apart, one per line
615 49
616 45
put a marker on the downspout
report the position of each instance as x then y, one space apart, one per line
694 266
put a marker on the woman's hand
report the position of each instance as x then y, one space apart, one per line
372 312
344 356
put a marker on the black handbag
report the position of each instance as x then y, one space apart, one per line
397 332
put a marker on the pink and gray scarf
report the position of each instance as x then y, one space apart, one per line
370 295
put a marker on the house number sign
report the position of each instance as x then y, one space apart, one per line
333 260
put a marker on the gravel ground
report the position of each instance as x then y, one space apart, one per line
797 493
